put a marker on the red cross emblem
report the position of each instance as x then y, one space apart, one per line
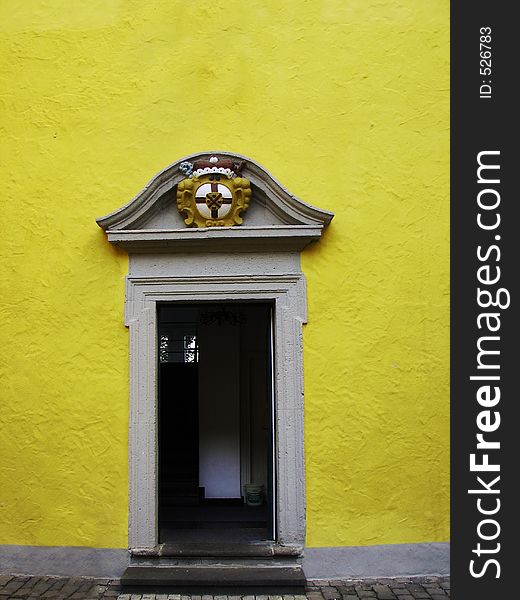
211 198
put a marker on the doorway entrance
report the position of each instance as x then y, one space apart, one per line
216 423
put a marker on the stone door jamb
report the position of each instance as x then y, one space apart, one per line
287 292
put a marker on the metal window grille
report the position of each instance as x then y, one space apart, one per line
178 347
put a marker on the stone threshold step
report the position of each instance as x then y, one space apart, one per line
223 550
287 580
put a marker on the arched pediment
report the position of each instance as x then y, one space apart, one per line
275 219
184 250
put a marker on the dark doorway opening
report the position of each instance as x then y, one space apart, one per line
216 449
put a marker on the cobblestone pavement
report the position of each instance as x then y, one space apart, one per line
79 588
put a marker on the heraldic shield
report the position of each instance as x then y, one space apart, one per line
213 193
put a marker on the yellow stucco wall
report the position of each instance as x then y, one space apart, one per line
346 103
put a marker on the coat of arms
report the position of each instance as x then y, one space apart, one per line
213 193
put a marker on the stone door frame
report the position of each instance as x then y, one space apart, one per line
287 293
260 260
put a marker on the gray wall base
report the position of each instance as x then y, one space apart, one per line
390 560
393 560
67 561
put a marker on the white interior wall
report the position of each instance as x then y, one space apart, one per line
219 411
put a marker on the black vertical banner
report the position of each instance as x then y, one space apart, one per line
485 267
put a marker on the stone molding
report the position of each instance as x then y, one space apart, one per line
216 239
287 292
301 223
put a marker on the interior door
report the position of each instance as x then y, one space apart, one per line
271 431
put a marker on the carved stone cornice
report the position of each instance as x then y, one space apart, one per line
300 223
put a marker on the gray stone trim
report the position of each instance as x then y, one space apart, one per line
66 561
393 560
217 239
389 560
288 208
287 291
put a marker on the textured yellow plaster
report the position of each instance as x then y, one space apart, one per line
346 103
